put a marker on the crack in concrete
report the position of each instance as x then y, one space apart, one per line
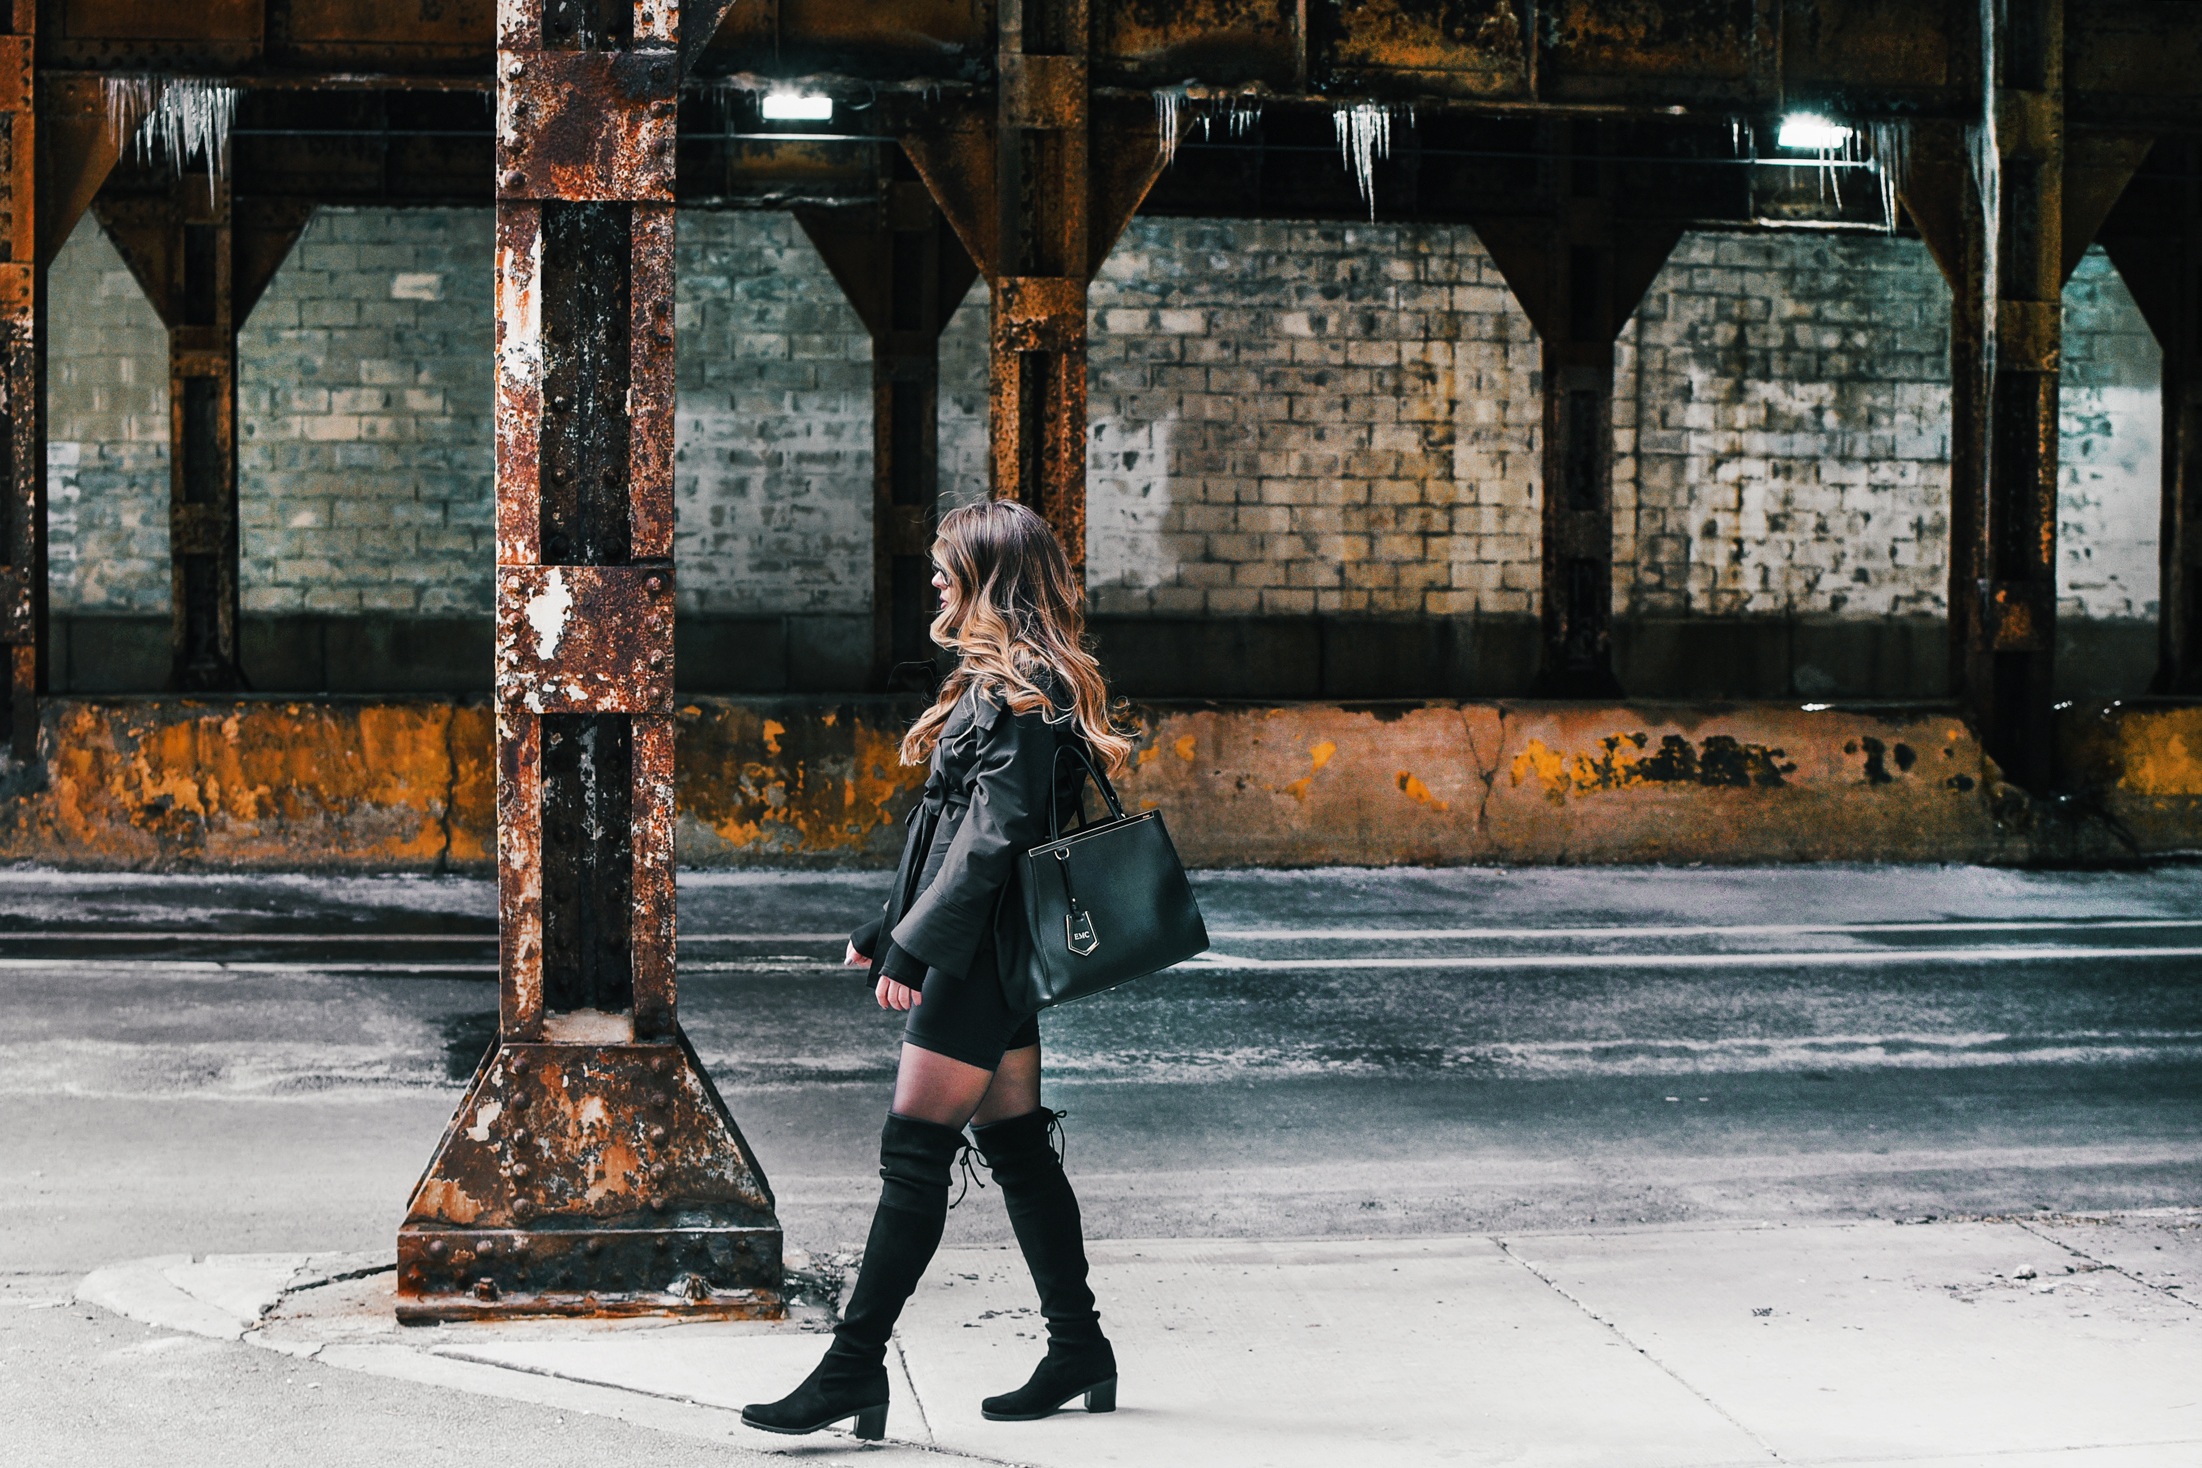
1623 1336
2162 1291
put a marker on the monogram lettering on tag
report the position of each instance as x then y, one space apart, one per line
1078 934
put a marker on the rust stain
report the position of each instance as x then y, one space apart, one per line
1184 748
773 730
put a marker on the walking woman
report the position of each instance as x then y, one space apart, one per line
1024 686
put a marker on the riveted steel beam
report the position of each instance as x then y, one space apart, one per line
203 258
1578 271
904 272
22 396
593 1168
2154 237
1038 191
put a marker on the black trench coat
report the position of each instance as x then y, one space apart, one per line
985 803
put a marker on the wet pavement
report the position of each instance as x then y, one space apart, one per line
215 1066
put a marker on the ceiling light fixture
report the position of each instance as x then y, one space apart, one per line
797 107
1804 130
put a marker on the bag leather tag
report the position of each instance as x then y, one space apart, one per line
1078 934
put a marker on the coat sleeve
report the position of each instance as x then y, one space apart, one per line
1008 816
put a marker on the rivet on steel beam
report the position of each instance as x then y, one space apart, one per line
437 1248
657 1205
520 1137
658 1063
515 70
519 1172
594 1246
523 1209
657 1135
657 659
486 1247
657 1171
485 1288
661 1240
516 180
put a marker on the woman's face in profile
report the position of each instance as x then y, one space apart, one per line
946 586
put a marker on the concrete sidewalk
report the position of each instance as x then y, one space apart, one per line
2016 1341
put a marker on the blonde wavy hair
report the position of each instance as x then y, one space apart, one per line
1014 612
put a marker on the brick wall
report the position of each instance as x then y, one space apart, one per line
1782 435
106 435
1294 419
364 426
1287 420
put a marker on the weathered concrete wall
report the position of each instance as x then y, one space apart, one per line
157 784
2140 765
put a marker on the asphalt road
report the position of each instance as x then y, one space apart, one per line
235 1065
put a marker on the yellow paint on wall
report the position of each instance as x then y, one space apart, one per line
1420 794
1320 755
773 731
2161 753
1539 763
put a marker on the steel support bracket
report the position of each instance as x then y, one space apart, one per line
584 639
2017 616
2029 335
1040 313
586 125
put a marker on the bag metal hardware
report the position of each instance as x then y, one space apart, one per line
1078 934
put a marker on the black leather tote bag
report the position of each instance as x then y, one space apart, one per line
1104 904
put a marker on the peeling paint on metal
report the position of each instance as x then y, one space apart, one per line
546 613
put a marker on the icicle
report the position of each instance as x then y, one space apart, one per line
1888 149
1242 114
1364 135
1169 107
183 116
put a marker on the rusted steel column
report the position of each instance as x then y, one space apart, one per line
1037 330
22 398
2011 537
904 273
203 258
2162 265
1578 274
592 1168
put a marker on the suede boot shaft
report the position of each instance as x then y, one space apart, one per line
1043 1212
915 1161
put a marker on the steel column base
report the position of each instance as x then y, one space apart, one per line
585 1179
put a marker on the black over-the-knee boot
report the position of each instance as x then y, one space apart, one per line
915 1159
1044 1212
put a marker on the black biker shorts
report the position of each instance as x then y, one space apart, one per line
967 1019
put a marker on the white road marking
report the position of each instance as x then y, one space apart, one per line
1854 957
1751 930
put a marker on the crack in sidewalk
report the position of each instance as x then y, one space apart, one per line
1623 1336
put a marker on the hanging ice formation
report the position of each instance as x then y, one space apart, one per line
183 118
1238 112
1364 135
1888 146
1169 106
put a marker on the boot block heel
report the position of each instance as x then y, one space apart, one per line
1102 1398
871 1423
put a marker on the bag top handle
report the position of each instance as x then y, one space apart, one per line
1101 783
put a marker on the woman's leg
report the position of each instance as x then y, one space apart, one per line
1012 1133
933 1087
934 1096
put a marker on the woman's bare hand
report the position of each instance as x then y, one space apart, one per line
856 959
896 996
